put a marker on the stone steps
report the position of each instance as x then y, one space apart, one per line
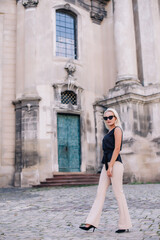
70 179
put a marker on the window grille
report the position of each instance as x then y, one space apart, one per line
68 97
66 42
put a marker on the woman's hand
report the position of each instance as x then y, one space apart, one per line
109 171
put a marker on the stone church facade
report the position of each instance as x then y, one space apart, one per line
62 63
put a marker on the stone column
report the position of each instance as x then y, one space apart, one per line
125 42
149 30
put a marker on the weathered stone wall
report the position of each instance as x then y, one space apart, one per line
117 65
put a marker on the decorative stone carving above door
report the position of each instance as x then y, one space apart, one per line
69 88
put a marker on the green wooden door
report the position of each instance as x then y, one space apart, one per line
69 152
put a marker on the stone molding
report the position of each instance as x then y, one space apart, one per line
128 79
25 100
26 103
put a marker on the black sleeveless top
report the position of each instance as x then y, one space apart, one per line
108 145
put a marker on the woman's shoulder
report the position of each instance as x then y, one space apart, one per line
118 129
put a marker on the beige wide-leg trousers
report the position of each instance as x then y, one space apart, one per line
104 182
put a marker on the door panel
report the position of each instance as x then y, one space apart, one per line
62 143
69 152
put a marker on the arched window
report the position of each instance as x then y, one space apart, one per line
66 36
68 97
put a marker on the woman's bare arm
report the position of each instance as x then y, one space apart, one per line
118 140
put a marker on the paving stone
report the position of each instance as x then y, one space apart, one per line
56 213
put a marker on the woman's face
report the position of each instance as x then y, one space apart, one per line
110 118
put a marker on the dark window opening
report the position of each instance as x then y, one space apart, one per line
68 97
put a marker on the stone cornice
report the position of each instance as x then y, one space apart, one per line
26 99
27 104
131 92
130 97
135 89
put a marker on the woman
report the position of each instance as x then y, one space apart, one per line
112 172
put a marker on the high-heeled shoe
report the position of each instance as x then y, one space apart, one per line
122 230
83 226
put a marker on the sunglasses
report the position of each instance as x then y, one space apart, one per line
110 117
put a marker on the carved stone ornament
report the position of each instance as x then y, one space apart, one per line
30 3
96 17
98 11
67 6
70 67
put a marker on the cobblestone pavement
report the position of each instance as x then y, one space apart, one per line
55 213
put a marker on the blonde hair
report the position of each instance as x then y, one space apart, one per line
117 122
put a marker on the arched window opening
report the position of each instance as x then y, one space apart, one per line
66 34
68 97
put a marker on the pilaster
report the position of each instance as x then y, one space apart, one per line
26 152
